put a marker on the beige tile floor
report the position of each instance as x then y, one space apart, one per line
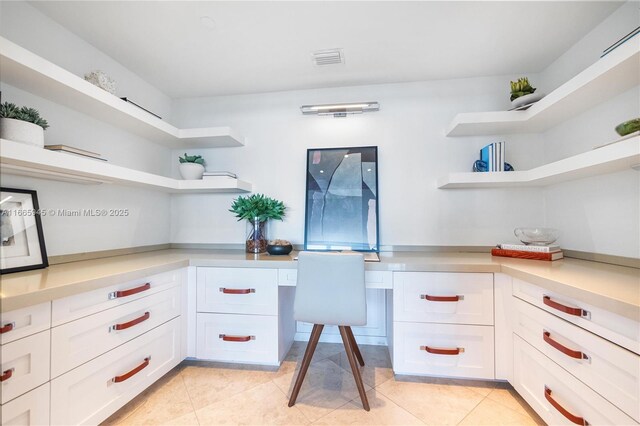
203 393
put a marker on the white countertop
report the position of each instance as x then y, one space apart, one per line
615 288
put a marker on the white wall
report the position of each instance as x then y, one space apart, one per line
413 153
148 222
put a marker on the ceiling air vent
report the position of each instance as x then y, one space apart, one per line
328 57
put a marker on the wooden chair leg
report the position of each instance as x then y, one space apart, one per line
354 346
306 361
354 367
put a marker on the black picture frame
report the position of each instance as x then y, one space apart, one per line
311 241
7 215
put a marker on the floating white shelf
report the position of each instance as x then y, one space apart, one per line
607 159
32 73
21 159
608 77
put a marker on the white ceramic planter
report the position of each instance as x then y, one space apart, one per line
191 171
21 131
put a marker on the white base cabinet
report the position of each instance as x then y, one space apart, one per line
31 408
95 390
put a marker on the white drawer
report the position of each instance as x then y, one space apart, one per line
457 298
24 322
608 369
372 279
620 330
443 350
79 341
88 394
25 365
237 338
237 290
534 373
31 409
90 302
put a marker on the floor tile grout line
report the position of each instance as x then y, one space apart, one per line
528 414
189 396
471 411
286 398
401 408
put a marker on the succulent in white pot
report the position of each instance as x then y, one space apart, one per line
191 166
22 124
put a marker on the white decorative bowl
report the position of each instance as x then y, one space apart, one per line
21 131
526 99
191 171
537 236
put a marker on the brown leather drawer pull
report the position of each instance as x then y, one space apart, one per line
579 312
133 372
237 290
431 298
7 327
442 351
228 338
571 417
128 324
130 292
565 350
6 374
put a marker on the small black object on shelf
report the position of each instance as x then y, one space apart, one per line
144 109
278 250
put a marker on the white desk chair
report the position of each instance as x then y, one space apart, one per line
331 291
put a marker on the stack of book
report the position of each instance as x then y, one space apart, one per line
75 151
212 175
522 251
493 155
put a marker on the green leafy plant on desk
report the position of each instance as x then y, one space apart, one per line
257 209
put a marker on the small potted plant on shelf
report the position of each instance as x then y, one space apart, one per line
257 209
522 93
22 124
191 166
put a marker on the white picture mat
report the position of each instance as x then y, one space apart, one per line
25 249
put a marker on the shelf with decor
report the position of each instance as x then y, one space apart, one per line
20 159
609 76
612 158
32 73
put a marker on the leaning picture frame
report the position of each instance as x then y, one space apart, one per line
341 208
22 245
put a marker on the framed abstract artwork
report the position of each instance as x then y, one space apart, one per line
22 245
342 199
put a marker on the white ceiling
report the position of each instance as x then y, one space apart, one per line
266 46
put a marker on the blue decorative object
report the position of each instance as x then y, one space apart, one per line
481 166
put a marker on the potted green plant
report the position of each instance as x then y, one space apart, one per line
522 93
257 209
22 124
191 166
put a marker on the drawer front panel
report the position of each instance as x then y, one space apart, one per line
610 370
618 329
25 364
540 381
30 409
237 338
431 297
90 302
79 341
372 279
239 291
88 394
443 350
24 322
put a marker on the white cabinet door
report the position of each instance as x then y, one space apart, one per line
95 390
237 338
79 341
24 322
30 409
443 297
557 396
238 291
450 350
87 303
608 369
25 364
